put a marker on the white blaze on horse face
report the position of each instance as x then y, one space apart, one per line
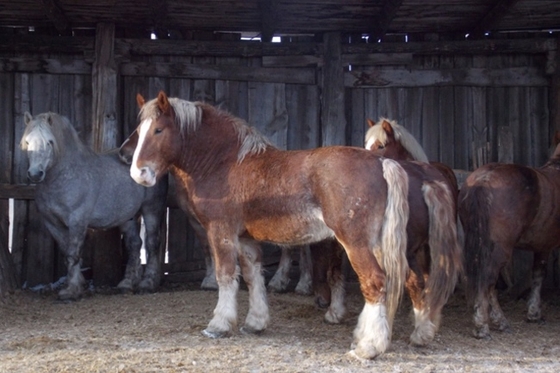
144 175
370 142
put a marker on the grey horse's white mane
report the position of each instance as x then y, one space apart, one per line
401 134
189 117
59 127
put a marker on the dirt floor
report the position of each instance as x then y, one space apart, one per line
161 332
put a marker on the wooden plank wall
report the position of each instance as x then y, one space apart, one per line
454 104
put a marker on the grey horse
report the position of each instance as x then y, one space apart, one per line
78 189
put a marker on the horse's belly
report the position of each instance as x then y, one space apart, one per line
290 230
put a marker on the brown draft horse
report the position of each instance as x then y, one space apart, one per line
434 253
242 190
505 207
278 283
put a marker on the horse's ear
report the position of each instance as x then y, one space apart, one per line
387 126
27 118
370 123
140 100
163 102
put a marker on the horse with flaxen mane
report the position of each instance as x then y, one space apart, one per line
79 189
434 253
280 280
243 190
505 207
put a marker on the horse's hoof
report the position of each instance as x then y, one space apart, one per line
322 303
209 284
147 286
214 335
538 321
67 297
303 289
480 334
251 331
125 286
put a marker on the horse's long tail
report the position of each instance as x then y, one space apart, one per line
474 205
445 251
393 235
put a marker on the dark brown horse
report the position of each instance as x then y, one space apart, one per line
434 253
242 190
505 207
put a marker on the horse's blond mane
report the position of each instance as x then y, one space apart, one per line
401 134
189 117
61 129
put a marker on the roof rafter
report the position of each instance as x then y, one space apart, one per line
56 14
269 19
490 20
158 8
381 23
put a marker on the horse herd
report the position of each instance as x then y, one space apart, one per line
402 221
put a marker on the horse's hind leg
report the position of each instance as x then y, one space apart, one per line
305 283
372 335
329 279
281 279
152 273
486 306
424 328
250 259
539 272
497 316
133 243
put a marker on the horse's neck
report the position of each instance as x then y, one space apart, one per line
204 152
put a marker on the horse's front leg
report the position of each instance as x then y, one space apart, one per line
133 243
305 283
75 280
227 273
281 279
209 281
152 273
250 260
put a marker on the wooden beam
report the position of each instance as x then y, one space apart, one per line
382 22
269 19
490 20
17 191
476 77
220 72
56 15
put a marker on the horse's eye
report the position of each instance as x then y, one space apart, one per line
51 143
158 130
380 147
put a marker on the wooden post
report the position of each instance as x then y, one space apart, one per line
333 121
107 256
104 81
553 68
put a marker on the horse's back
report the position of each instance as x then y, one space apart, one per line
522 203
